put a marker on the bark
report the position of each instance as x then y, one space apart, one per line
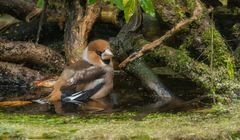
29 52
19 9
78 25
20 72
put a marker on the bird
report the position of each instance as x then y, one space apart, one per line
91 76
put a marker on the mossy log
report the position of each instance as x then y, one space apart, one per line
181 62
209 64
201 37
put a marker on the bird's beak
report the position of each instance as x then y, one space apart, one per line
107 54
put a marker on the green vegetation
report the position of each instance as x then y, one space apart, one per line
221 55
219 122
40 4
129 7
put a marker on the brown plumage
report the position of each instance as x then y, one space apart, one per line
95 67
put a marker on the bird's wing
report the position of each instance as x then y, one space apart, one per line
81 71
87 74
83 96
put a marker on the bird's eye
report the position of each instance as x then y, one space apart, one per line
98 52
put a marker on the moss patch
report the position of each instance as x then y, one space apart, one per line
173 11
199 124
221 55
11 133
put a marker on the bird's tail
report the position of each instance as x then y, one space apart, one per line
82 96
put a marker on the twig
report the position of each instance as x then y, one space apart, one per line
41 20
148 47
15 103
211 62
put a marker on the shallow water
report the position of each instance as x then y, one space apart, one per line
128 94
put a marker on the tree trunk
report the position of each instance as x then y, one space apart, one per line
78 25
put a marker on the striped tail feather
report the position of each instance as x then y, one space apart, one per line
82 96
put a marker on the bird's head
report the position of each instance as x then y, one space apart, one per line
98 52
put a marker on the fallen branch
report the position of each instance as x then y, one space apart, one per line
14 103
17 51
20 9
41 21
21 72
148 47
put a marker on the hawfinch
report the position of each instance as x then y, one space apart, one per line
91 76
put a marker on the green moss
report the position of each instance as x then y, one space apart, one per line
179 12
173 11
187 42
179 60
221 55
54 119
224 120
11 133
170 11
191 4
